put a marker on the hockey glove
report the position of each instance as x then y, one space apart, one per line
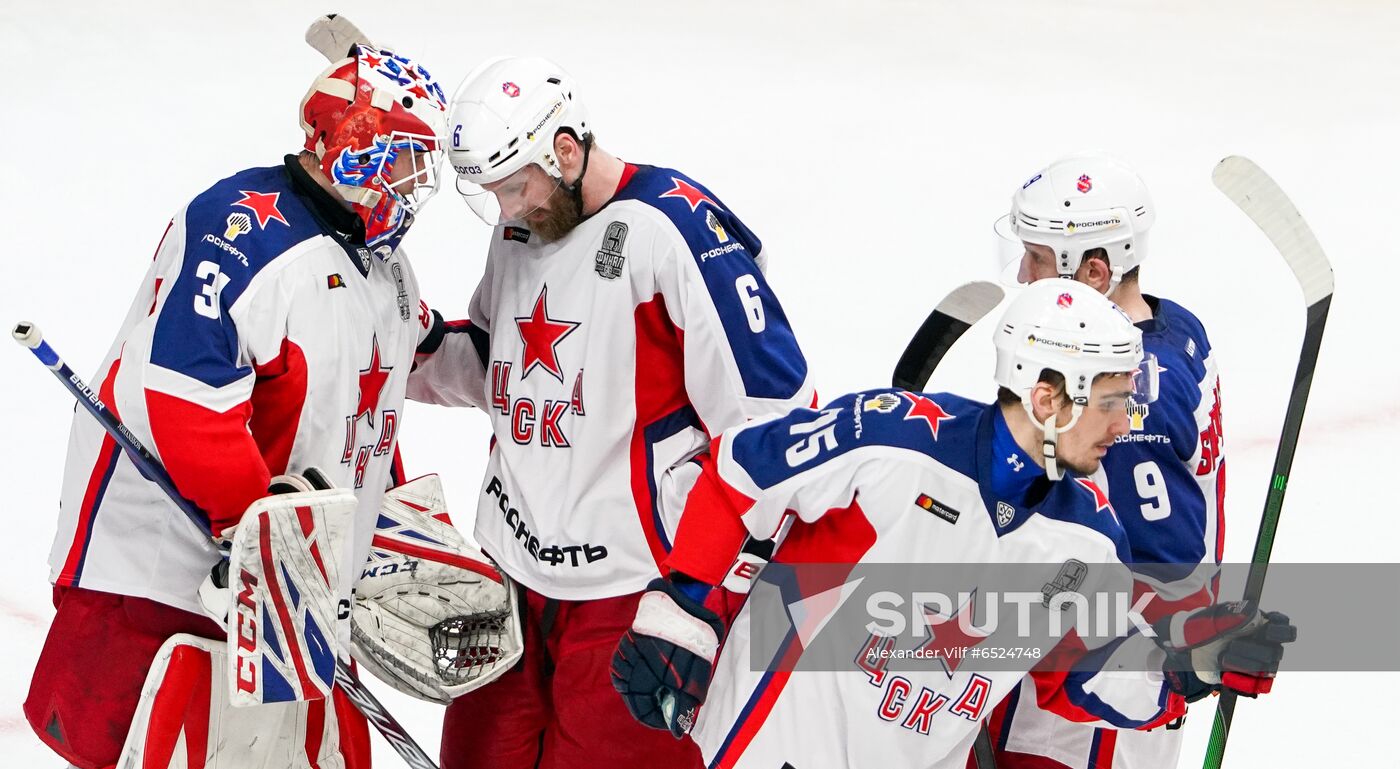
214 594
286 570
1223 646
662 664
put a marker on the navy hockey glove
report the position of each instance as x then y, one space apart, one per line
662 664
1223 646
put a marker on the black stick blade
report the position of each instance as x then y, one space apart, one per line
959 310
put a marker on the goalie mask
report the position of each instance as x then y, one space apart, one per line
433 616
375 121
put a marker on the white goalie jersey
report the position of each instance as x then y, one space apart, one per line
262 341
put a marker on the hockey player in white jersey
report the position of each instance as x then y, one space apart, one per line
889 476
273 333
623 320
1166 476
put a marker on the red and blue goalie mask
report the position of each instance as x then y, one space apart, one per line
375 122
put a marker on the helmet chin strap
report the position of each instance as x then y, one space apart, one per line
1050 444
1115 277
575 190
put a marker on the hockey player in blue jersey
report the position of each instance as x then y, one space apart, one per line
889 476
1086 217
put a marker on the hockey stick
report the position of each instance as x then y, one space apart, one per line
962 307
1248 187
952 317
28 335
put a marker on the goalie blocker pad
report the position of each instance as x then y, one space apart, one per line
433 616
184 718
291 607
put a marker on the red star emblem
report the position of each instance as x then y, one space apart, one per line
925 409
687 192
372 381
372 61
263 204
542 335
1100 498
948 641
419 91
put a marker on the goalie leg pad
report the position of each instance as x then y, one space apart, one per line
291 596
184 719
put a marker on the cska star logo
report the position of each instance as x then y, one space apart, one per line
689 193
927 410
263 205
950 637
1100 499
371 386
541 336
372 381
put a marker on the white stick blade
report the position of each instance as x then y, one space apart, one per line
1248 187
333 35
970 301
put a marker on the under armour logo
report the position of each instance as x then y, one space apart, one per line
1015 461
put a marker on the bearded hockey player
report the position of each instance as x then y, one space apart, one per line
272 334
1166 475
622 321
895 477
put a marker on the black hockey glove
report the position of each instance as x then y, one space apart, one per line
1223 646
662 664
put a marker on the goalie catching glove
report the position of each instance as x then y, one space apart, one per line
1223 646
433 617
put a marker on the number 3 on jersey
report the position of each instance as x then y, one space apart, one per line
207 302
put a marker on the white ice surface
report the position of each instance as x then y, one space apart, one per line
870 144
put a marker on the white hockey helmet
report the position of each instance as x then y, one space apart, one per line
504 117
1069 328
1078 203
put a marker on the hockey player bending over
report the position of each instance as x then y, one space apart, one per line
1004 483
622 321
1166 476
272 334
